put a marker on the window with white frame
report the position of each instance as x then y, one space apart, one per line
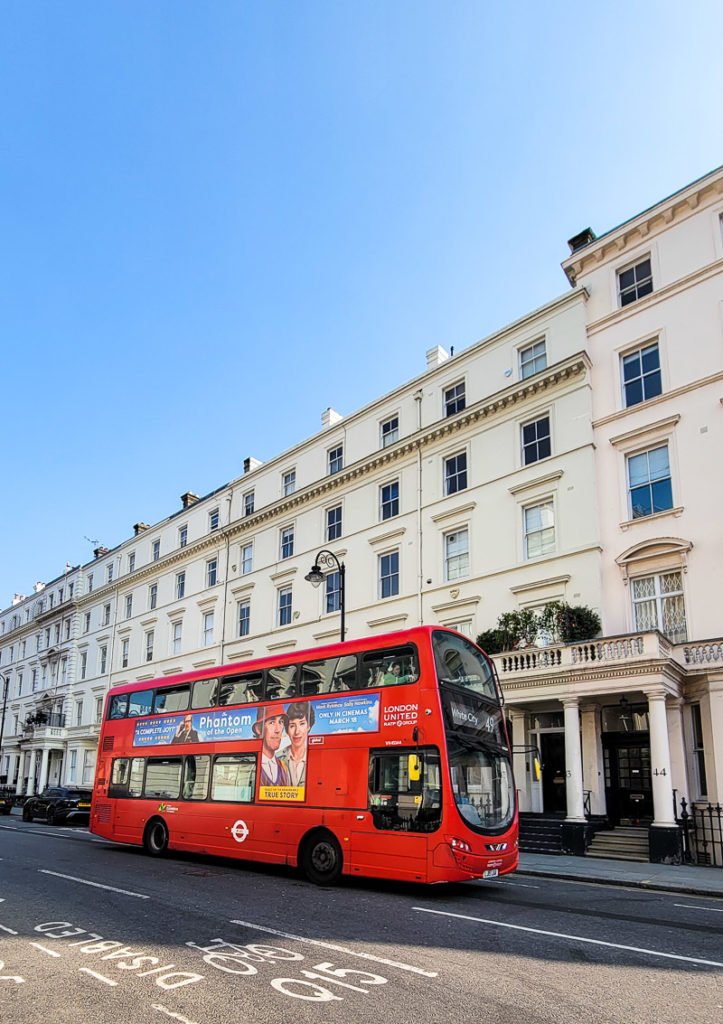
103 659
335 459
536 442
389 574
180 585
211 572
332 584
286 546
182 536
389 500
125 648
98 709
288 482
244 617
109 572
213 519
333 523
389 431
150 640
153 595
249 503
79 712
19 691
650 488
658 603
132 561
455 473
284 606
454 399
533 359
539 529
176 636
208 620
129 605
90 582
156 550
72 765
247 558
456 554
698 750
83 668
641 374
66 633
635 282
106 615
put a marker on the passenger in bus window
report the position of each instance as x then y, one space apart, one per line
300 719
394 675
185 733
269 727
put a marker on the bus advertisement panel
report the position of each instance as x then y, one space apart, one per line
386 756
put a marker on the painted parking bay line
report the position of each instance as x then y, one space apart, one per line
573 938
692 906
338 949
96 885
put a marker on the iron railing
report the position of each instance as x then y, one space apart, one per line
702 830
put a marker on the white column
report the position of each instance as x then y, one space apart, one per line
31 773
660 760
43 771
573 760
676 739
592 757
520 758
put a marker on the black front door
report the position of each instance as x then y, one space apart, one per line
628 789
552 752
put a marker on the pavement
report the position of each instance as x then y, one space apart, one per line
682 878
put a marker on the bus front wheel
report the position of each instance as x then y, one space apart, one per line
321 858
155 837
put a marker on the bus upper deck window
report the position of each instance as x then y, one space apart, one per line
140 703
240 689
118 706
173 699
205 693
390 667
281 682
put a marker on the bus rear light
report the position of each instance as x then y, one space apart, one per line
496 847
458 845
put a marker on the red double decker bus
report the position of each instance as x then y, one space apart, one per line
384 757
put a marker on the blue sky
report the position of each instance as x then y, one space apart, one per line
218 219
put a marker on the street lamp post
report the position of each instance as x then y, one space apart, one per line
317 576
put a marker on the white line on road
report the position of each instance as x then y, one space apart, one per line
170 1013
96 885
574 938
44 949
518 885
87 970
338 949
691 906
54 834
8 930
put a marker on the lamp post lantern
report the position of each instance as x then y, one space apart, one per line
317 576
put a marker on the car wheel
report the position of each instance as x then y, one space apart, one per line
155 837
27 813
321 858
51 816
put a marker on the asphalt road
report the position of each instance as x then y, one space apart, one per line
90 931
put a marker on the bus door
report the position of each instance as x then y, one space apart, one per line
405 807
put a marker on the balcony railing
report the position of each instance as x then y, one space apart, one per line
631 647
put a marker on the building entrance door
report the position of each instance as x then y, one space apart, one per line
552 753
628 788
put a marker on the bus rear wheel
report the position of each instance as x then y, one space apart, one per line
321 858
155 837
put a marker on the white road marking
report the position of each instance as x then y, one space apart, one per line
518 885
691 906
44 949
8 930
54 834
574 938
87 970
96 885
170 1013
338 949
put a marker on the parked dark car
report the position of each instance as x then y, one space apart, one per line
7 800
57 804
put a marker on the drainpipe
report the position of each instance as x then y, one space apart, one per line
420 562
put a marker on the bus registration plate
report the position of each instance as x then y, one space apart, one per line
491 873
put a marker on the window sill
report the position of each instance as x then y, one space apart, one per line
678 511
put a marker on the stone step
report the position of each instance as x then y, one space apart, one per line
609 855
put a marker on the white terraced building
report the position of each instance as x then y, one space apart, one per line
569 456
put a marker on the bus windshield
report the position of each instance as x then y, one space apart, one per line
482 785
459 662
